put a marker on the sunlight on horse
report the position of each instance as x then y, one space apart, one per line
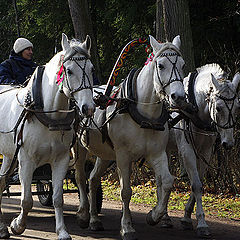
40 145
217 104
139 131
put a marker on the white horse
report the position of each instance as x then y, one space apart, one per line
217 103
40 145
146 136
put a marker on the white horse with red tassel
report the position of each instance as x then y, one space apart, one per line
44 133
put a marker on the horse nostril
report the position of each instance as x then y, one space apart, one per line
173 96
85 109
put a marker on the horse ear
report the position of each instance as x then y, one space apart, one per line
156 46
177 41
236 80
87 43
215 82
65 43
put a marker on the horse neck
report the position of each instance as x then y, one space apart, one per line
202 89
53 99
147 94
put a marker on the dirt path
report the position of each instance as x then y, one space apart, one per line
41 223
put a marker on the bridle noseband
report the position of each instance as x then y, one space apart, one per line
70 57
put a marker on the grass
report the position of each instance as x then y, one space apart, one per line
214 205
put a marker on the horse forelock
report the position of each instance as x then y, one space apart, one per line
167 46
76 47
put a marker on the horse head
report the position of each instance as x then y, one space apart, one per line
168 72
78 71
223 106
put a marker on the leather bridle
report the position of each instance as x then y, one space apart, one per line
230 122
85 81
160 53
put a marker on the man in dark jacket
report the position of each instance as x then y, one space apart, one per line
19 66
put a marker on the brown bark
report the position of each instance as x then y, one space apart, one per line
176 19
82 24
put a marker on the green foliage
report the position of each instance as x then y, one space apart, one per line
42 22
215 28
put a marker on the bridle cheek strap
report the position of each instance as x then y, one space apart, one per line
230 122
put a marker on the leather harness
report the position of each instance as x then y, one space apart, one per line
63 124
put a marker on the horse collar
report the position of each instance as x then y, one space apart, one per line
53 124
128 91
206 126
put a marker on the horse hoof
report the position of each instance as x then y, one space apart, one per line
166 223
129 236
68 238
186 225
203 232
82 223
63 235
4 234
150 220
16 228
96 226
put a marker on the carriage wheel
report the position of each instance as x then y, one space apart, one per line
46 198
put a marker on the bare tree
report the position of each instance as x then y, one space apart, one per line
82 23
173 19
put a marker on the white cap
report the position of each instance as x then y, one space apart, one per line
21 44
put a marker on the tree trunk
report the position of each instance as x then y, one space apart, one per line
160 31
176 19
82 24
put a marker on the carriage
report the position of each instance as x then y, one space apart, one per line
42 181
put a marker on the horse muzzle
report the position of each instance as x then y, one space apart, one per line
88 110
228 145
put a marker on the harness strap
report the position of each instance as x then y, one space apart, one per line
197 154
191 95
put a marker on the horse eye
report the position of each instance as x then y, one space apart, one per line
160 66
218 109
69 71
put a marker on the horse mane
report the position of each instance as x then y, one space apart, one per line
214 69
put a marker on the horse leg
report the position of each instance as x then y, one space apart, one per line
164 181
124 166
80 177
202 227
4 234
94 181
190 163
59 169
26 169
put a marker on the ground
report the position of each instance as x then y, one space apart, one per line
41 222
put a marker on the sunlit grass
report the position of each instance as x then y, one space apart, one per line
214 205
